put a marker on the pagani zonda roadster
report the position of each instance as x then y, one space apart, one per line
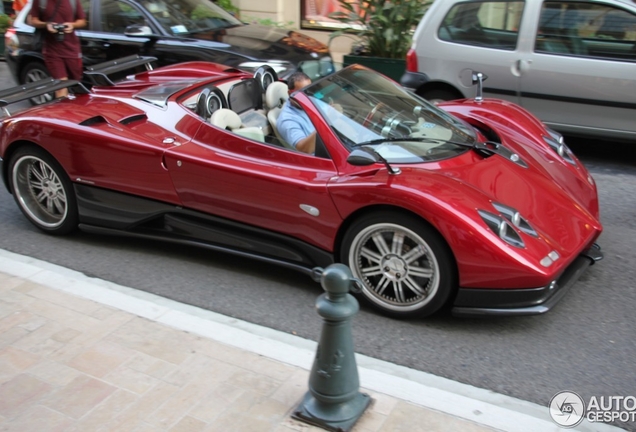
473 203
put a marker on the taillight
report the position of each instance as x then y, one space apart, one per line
411 60
11 38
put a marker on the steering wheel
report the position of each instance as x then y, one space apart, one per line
372 113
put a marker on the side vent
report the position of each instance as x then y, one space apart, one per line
134 118
93 121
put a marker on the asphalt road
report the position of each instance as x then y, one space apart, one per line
586 344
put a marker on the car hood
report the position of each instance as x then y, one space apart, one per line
263 42
558 198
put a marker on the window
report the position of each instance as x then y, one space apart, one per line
588 30
117 15
489 24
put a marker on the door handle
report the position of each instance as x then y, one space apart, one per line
519 67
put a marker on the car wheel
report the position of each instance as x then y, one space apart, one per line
438 95
43 191
405 266
36 71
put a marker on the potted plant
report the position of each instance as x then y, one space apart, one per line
384 31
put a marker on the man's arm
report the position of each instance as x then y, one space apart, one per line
33 18
77 24
307 144
293 133
80 19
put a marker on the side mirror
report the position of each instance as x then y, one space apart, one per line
479 78
138 30
362 157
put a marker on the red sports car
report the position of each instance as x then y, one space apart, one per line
473 204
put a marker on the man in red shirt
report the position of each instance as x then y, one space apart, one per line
61 47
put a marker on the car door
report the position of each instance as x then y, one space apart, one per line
476 36
256 183
580 75
104 39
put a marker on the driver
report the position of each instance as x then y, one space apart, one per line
293 124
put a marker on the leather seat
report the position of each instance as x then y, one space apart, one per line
275 96
228 119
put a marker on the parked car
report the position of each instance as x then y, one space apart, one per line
473 203
172 31
569 62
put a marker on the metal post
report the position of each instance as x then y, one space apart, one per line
333 401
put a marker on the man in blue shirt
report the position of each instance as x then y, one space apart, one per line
293 124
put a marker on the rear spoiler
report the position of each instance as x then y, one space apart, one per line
37 88
97 74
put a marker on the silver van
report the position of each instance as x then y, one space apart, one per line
570 62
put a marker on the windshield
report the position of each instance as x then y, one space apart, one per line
366 109
179 17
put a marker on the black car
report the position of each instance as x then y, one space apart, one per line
172 31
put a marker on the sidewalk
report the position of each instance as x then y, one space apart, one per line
82 354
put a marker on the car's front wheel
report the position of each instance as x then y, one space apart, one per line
405 266
43 191
36 71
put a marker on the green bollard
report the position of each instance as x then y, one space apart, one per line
333 401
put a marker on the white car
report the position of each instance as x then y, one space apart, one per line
570 62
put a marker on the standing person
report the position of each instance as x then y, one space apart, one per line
61 46
293 124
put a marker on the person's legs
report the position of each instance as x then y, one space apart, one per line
57 69
63 69
74 68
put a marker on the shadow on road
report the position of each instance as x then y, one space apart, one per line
594 150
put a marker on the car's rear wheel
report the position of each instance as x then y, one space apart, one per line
405 266
43 191
36 71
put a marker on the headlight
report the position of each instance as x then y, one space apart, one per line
502 228
506 223
516 219
556 141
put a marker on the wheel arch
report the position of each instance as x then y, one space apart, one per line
27 59
346 225
8 156
452 273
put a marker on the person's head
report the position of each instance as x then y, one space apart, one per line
297 80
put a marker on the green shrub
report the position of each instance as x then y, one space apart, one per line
385 28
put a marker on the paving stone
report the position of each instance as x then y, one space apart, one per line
155 340
20 393
79 396
101 358
39 419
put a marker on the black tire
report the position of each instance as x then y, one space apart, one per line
36 71
43 191
399 282
436 96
